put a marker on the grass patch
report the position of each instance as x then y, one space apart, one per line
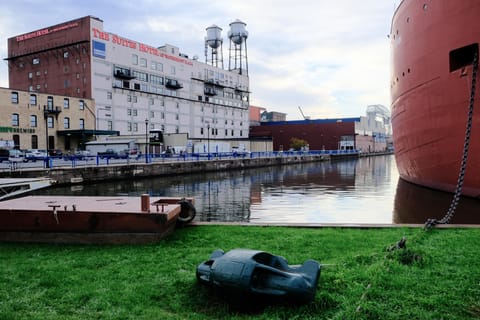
437 276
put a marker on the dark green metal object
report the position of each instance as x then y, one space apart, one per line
261 275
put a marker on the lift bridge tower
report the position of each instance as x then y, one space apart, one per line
238 47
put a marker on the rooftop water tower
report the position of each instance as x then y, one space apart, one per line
238 47
213 46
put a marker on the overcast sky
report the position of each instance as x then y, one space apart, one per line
331 58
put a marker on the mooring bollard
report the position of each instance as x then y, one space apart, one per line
145 203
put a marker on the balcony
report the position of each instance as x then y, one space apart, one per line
173 84
123 74
209 91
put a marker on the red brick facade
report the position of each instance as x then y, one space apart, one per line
54 60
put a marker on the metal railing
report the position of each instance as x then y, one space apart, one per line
76 161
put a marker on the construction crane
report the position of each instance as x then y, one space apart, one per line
304 117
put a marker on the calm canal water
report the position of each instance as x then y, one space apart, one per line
357 191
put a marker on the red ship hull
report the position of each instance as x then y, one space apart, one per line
433 45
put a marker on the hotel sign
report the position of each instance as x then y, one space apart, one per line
113 38
99 50
45 31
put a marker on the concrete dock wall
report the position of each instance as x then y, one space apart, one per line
91 174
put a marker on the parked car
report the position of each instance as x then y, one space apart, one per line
4 155
110 153
55 153
16 155
35 154
78 155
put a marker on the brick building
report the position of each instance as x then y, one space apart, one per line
29 117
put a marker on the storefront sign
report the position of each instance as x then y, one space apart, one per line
16 130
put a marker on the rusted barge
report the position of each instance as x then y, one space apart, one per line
92 220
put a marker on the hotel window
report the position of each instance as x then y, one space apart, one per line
50 122
153 65
15 120
30 75
36 61
150 101
162 127
129 112
66 103
159 67
81 123
152 114
135 127
65 54
33 100
156 79
49 102
15 97
134 59
81 104
135 112
129 98
33 121
143 62
109 95
141 76
110 125
129 126
66 123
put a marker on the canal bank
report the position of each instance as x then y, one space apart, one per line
436 276
93 174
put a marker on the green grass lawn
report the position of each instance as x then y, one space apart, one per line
436 277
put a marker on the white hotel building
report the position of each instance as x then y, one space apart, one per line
135 84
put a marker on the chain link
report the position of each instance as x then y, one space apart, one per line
458 190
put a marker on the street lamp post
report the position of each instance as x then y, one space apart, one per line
208 140
146 140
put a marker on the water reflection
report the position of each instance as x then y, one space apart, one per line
349 192
415 204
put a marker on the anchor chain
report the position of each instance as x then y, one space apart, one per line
458 190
